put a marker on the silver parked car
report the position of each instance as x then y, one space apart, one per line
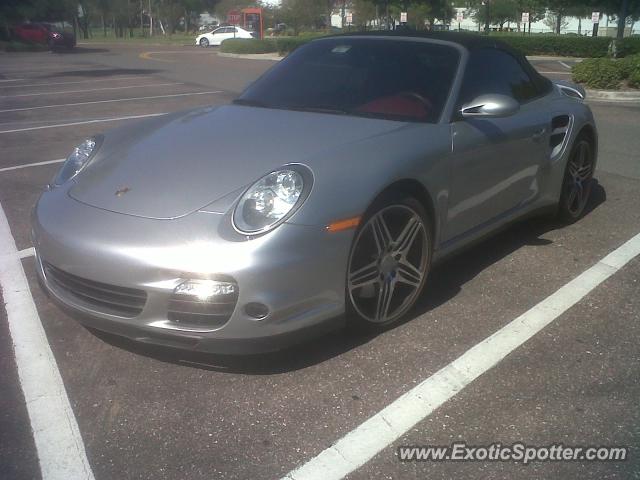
339 177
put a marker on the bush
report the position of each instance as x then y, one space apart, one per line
560 45
634 79
602 73
244 46
631 70
282 45
628 46
289 44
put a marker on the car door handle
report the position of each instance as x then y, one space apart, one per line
538 134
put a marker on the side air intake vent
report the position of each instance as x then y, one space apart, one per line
571 89
559 129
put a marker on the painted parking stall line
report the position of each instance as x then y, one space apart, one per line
173 95
93 80
148 85
382 429
28 165
61 452
84 122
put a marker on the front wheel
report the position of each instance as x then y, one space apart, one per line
389 262
577 181
204 42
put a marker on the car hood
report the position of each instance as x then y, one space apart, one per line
170 166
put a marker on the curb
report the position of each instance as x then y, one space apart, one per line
274 57
613 96
552 58
135 44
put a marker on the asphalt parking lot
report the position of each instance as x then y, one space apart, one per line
149 413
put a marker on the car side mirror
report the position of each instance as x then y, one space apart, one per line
490 106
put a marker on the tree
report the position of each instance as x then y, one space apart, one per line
302 13
364 12
555 22
500 12
580 11
417 14
557 10
536 9
621 9
441 10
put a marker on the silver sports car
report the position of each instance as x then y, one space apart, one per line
339 177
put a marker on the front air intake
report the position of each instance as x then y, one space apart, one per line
97 296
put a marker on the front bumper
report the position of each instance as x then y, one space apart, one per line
62 41
297 272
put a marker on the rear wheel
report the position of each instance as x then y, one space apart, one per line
389 263
204 42
577 181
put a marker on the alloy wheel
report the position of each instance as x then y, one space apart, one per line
204 42
578 179
388 264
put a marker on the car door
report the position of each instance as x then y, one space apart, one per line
495 161
28 33
217 36
42 34
224 33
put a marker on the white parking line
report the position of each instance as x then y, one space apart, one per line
27 165
137 77
564 65
59 445
378 432
91 90
84 122
11 80
110 101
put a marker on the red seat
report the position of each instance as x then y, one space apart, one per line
408 105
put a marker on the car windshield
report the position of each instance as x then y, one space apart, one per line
382 78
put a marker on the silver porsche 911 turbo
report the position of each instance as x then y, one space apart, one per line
339 177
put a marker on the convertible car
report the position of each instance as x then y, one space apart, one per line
339 177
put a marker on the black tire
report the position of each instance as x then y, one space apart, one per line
204 42
386 277
577 181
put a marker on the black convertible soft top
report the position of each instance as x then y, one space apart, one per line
470 41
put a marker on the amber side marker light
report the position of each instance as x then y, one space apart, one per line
343 224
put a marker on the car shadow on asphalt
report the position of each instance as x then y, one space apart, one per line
445 283
446 279
104 72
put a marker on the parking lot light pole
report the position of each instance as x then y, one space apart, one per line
486 18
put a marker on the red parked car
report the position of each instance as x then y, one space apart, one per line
45 33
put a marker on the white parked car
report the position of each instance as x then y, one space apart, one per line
217 36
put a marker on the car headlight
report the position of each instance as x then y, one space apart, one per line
78 159
272 199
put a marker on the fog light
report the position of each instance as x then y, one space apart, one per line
256 310
203 290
